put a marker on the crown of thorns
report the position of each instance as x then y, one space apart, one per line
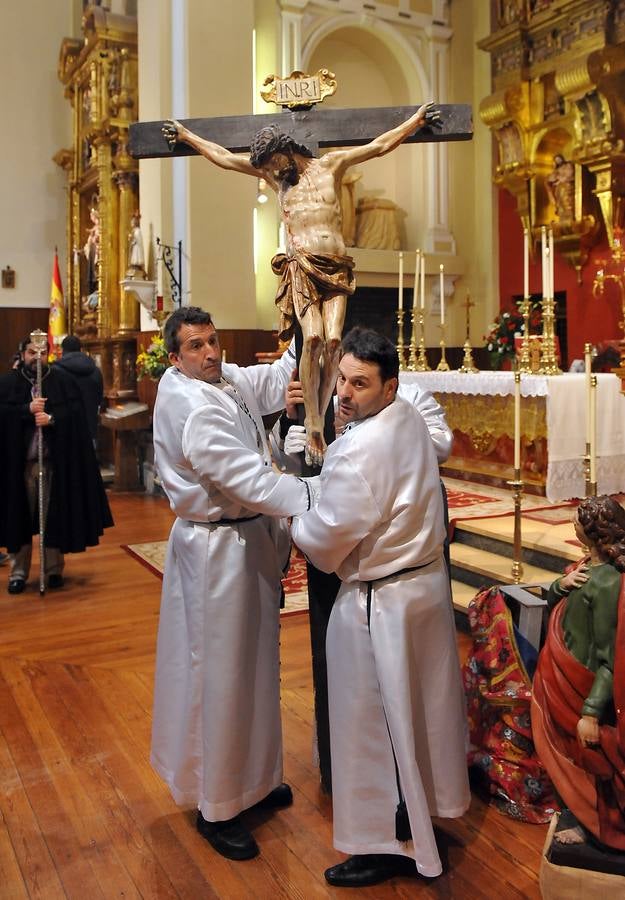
272 140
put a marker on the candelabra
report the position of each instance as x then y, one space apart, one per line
412 355
400 337
549 359
468 366
525 363
517 493
443 365
422 360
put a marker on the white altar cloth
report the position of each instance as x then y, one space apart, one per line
566 422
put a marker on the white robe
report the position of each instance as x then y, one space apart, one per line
216 737
380 511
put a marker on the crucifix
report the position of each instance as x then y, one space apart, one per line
312 218
468 366
316 275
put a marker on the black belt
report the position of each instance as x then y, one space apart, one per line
385 578
228 521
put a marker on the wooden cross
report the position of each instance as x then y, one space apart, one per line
315 128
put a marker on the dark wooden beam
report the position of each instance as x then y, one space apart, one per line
316 128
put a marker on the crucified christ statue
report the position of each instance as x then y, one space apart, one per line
316 274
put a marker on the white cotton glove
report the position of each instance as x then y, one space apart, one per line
295 440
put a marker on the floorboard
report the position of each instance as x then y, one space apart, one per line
83 814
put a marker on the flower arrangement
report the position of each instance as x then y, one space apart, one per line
500 338
153 362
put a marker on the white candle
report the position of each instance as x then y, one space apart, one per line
415 289
441 271
551 263
587 372
547 273
593 429
159 271
400 296
517 422
423 281
526 264
543 258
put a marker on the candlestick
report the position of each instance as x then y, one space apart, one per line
400 297
526 264
441 271
517 560
415 288
543 259
593 435
550 248
587 374
443 365
517 421
422 360
422 279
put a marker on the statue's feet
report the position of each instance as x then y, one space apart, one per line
315 448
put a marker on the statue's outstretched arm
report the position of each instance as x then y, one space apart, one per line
175 133
427 115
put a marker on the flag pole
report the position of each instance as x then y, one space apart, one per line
39 339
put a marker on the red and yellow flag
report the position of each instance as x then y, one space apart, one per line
57 320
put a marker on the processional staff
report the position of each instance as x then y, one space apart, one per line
39 340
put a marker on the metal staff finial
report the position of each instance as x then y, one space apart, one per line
39 340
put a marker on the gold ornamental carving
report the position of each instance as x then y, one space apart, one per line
299 90
557 114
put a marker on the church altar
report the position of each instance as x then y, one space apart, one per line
480 411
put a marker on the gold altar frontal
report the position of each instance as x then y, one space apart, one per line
483 448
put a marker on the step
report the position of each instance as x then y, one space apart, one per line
462 595
481 568
540 539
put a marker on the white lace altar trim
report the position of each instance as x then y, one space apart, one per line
483 383
565 478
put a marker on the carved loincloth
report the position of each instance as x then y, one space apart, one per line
308 279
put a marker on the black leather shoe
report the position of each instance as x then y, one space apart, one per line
229 838
55 582
279 798
369 868
16 585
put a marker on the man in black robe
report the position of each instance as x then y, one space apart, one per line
75 504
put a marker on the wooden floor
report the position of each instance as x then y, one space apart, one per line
83 815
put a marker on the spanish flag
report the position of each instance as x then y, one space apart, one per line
57 321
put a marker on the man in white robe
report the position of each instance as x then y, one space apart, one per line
216 737
397 720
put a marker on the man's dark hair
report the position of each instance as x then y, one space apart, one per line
272 140
71 344
23 344
370 346
186 315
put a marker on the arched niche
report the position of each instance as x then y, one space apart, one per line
548 144
377 68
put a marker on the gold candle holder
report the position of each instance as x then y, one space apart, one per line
525 363
422 360
517 560
549 360
412 355
588 491
400 338
468 366
443 365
